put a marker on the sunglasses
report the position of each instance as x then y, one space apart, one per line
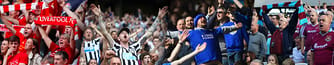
220 12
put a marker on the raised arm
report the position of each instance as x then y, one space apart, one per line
237 2
74 16
270 25
293 22
246 20
14 21
95 29
198 49
182 38
72 41
45 37
26 14
226 29
211 18
162 12
82 55
97 12
8 25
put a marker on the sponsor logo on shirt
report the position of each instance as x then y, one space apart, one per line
128 56
311 31
91 49
14 63
319 46
207 36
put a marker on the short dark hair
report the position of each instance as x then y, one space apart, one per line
143 55
14 38
63 54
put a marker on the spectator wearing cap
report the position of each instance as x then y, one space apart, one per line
282 38
126 50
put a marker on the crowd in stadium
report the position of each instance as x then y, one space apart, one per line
186 32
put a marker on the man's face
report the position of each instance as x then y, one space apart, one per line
201 22
330 15
88 34
115 61
297 41
189 22
108 24
31 18
324 23
68 30
114 35
27 30
63 41
58 60
313 17
147 59
220 14
274 19
254 26
283 23
180 25
124 36
14 45
156 41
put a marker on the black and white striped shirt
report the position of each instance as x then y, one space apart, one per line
129 55
93 49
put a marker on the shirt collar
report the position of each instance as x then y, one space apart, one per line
323 34
197 28
30 55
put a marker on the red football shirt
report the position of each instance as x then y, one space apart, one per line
308 31
323 48
55 48
24 39
17 59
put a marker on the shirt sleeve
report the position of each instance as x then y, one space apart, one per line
116 47
173 34
302 31
264 46
136 46
225 29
